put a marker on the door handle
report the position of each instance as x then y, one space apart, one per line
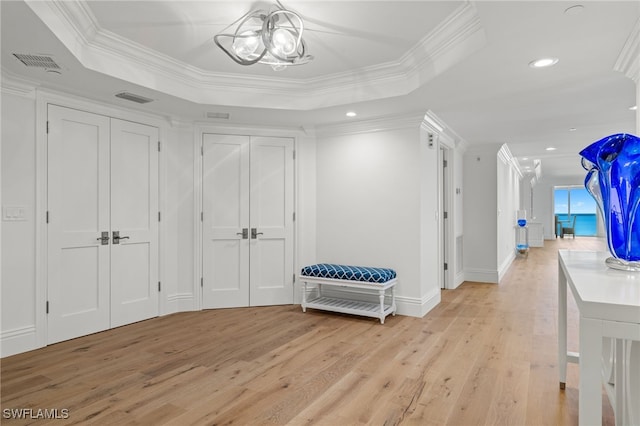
117 237
244 233
255 233
104 239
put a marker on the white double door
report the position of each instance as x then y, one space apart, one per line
248 208
102 182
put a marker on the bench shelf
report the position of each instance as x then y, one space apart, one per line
313 296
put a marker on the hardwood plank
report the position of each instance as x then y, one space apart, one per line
485 355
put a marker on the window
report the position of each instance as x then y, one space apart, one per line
575 201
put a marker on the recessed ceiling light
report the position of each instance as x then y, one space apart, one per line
633 108
525 158
551 148
572 129
351 114
543 62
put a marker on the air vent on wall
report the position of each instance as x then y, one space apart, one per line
38 61
219 115
133 98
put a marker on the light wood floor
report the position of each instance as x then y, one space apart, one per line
485 355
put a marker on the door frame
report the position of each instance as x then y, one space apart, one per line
199 132
43 99
446 249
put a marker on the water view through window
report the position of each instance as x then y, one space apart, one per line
576 201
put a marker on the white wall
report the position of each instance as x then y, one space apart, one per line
376 207
368 197
491 199
479 218
19 311
178 204
508 204
458 217
306 230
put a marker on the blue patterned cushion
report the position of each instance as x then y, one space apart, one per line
351 273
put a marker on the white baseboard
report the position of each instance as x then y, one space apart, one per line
414 307
505 265
180 302
18 340
458 279
481 275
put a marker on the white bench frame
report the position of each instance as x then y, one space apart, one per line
348 306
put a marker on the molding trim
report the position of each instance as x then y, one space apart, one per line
506 264
459 35
417 307
180 302
481 275
18 340
382 124
14 85
628 61
504 154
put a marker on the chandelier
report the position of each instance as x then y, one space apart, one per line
271 37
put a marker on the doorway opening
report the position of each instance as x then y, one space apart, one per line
574 207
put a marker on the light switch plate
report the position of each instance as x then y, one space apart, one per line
14 213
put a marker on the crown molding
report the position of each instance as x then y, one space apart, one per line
628 61
106 52
13 84
382 124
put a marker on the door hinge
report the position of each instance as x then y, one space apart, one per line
47 126
158 216
158 146
47 216
201 282
159 286
294 216
47 307
444 163
201 216
294 154
202 150
294 278
446 215
446 266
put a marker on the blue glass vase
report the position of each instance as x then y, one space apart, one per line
613 179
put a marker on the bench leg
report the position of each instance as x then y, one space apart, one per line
381 295
393 301
304 297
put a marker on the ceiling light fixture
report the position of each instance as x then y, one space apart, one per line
271 37
551 148
543 62
634 108
351 114
574 10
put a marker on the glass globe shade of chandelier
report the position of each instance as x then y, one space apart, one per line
273 38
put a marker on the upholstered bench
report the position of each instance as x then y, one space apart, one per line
364 279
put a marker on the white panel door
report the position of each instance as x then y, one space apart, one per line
78 209
225 198
248 188
271 219
134 217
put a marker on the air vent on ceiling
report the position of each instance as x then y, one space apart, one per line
133 98
219 115
38 61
